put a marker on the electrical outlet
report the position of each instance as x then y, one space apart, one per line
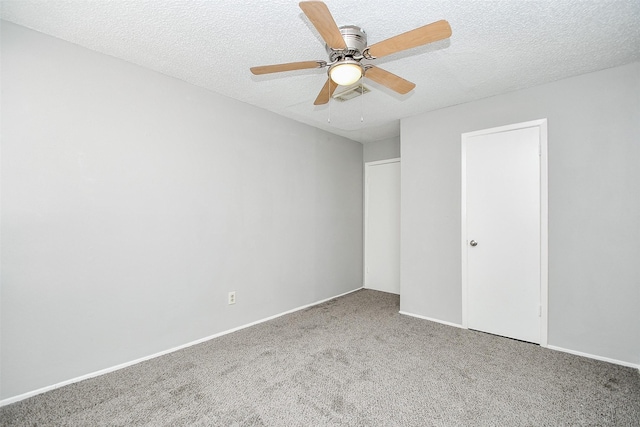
232 297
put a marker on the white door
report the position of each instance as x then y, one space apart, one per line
502 245
382 226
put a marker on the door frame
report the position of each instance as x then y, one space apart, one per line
367 165
544 220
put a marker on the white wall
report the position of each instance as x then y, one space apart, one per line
382 150
594 207
133 202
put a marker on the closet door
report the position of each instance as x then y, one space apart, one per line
502 245
382 226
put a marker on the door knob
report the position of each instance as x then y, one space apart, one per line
473 243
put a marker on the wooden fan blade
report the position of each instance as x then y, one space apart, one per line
319 15
325 93
427 34
390 80
289 66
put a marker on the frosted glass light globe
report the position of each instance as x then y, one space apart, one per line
346 74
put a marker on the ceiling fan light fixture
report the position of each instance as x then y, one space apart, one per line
347 45
346 72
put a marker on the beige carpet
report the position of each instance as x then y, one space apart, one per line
352 361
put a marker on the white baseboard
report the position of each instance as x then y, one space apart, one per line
444 322
29 394
593 356
552 347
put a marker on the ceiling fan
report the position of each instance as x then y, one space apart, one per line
347 47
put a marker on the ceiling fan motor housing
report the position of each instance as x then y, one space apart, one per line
356 40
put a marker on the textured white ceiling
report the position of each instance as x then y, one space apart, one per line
496 47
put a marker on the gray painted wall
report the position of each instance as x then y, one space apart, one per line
594 207
382 150
133 202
